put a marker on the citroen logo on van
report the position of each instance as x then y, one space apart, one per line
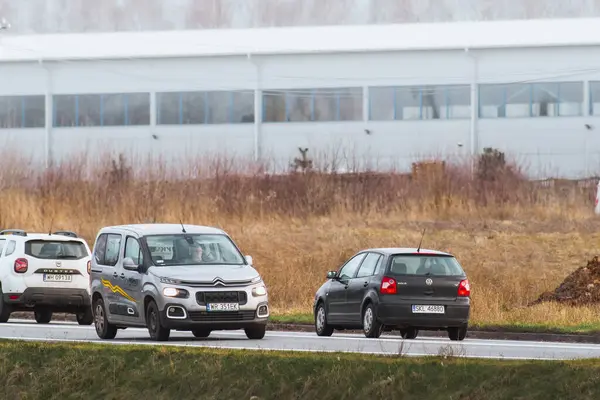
218 281
58 263
428 281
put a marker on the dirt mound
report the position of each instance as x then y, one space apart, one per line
581 287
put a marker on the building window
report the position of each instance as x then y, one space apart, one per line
22 112
313 105
540 99
595 98
193 108
119 109
419 102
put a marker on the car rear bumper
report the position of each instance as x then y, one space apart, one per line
57 299
399 314
176 316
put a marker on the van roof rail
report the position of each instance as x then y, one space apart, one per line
66 233
19 232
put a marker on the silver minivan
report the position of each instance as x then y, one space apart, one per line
174 276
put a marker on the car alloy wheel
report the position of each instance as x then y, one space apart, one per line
321 322
372 328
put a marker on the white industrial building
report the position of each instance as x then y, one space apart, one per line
385 95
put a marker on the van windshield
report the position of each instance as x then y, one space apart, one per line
193 249
425 265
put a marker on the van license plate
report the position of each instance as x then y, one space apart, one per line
428 309
222 307
57 278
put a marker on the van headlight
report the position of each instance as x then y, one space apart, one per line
256 279
259 291
174 292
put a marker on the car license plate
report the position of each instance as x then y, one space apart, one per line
428 309
222 307
57 278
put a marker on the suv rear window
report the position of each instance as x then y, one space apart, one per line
56 249
425 265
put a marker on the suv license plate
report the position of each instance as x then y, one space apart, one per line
428 309
222 307
57 278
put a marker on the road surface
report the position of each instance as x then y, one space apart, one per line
308 341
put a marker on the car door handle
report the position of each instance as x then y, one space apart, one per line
115 275
366 284
122 276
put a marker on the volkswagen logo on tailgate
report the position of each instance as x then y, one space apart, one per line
428 281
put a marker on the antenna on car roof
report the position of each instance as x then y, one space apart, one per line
421 241
182 227
50 231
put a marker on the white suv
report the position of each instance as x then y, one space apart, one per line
44 273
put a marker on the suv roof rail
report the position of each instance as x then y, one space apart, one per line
19 232
66 233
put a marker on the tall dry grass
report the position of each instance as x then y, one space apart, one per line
515 238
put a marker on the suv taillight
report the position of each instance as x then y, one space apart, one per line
464 288
388 286
21 265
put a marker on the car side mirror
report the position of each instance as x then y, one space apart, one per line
332 275
249 259
129 265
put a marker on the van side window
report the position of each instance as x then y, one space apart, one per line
133 250
113 247
100 249
2 243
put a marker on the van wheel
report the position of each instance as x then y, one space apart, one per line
256 332
42 316
321 326
5 309
372 328
104 329
457 333
409 333
156 330
85 316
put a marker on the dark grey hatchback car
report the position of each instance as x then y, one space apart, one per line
402 289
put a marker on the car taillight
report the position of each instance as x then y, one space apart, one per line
464 288
21 265
388 286
89 267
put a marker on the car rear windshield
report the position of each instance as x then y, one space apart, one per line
425 265
56 249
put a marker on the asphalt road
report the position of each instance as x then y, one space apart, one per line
307 341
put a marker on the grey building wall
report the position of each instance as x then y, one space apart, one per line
41 16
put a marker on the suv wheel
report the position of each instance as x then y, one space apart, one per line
201 333
256 332
372 328
156 330
42 316
85 316
457 333
321 326
5 309
104 329
409 333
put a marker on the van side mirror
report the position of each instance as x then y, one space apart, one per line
129 265
248 259
332 275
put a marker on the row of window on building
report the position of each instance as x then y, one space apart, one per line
303 105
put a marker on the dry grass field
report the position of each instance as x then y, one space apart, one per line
515 238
